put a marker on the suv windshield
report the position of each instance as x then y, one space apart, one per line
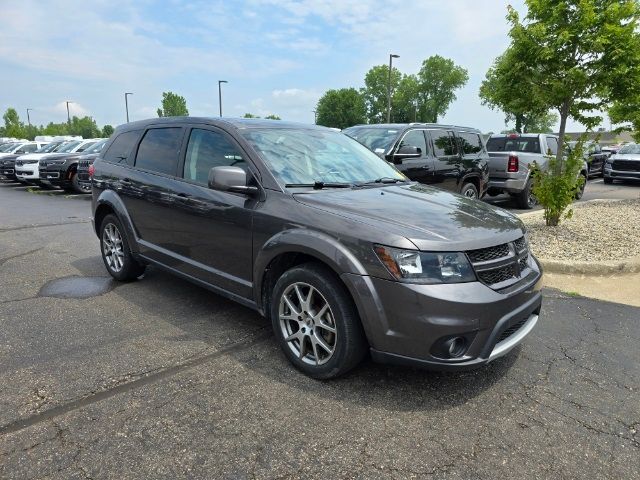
50 147
68 147
306 156
96 147
514 144
376 139
7 147
633 148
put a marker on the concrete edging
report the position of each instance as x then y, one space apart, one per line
630 265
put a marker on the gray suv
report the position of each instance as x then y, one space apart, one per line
336 247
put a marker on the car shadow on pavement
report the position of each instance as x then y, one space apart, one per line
208 317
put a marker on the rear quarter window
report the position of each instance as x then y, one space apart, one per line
120 149
159 150
470 143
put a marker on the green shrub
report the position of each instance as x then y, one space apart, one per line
556 186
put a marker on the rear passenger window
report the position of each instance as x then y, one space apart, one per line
443 143
120 149
159 149
415 138
208 149
32 147
470 143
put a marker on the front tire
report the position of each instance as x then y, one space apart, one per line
316 322
116 253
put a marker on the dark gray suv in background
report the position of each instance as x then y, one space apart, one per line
337 248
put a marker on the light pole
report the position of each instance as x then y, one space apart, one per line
315 117
391 57
29 118
220 82
126 104
68 117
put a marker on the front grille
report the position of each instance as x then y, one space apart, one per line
627 165
501 266
498 275
511 330
486 254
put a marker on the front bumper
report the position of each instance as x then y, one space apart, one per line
405 322
54 174
27 172
621 174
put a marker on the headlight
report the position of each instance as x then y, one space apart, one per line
426 267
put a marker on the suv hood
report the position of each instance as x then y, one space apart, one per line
430 218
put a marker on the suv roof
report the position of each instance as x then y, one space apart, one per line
234 122
525 135
418 124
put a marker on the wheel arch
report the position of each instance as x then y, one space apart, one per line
109 202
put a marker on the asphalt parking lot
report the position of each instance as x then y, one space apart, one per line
162 379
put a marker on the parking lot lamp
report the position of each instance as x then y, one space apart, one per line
68 116
220 82
391 57
29 118
126 104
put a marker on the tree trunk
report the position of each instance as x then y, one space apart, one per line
519 123
564 114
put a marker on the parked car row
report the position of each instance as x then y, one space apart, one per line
49 164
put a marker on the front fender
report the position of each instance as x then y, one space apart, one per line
316 244
112 200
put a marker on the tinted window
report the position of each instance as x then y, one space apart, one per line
514 144
443 143
552 145
414 138
470 143
85 146
121 147
32 147
208 149
158 150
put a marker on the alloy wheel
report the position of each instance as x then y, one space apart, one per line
112 247
307 323
470 193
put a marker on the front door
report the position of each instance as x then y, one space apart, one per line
417 169
213 228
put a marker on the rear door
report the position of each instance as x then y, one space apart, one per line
447 159
418 169
148 191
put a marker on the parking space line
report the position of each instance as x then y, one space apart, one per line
18 425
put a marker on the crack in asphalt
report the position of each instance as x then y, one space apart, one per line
41 225
93 397
13 257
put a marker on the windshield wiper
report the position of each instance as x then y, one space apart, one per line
319 185
382 180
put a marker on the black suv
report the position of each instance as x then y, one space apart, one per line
63 171
445 156
337 248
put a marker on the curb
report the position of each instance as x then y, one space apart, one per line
630 265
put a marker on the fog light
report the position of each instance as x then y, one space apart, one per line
455 347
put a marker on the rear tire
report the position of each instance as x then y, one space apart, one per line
608 180
76 186
469 190
526 200
116 253
316 322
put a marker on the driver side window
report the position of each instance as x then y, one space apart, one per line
414 138
208 149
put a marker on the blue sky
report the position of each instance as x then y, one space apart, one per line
278 56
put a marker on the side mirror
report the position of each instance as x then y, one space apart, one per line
406 151
231 179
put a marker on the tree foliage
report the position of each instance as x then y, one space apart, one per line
84 126
13 127
375 91
341 108
438 80
107 131
173 105
273 117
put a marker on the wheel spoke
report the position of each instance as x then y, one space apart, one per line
315 351
295 336
292 308
320 341
303 348
325 326
301 299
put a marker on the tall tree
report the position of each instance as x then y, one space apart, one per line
405 101
107 131
580 56
250 115
501 90
438 80
273 117
85 127
173 105
13 127
341 108
375 91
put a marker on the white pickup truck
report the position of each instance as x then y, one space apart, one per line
510 156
